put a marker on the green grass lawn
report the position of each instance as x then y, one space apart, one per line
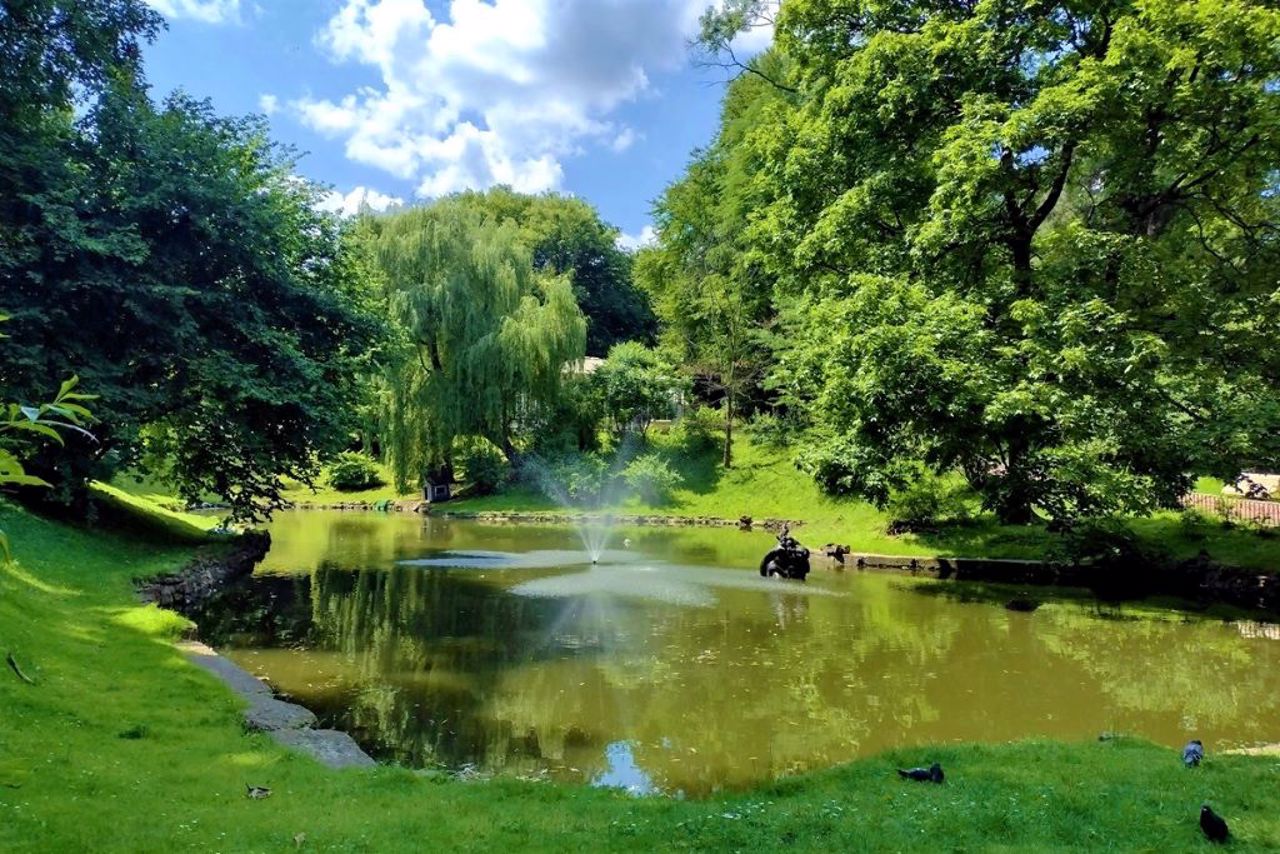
153 513
121 745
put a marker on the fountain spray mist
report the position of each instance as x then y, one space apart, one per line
593 493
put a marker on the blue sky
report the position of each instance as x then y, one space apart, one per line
406 99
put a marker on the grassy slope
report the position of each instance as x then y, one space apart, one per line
153 513
104 667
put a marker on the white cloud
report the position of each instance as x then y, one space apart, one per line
624 140
268 104
494 91
357 200
632 242
208 11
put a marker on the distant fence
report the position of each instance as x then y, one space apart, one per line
1240 509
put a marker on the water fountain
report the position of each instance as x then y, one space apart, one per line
595 523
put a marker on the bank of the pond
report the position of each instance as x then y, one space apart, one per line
123 745
764 484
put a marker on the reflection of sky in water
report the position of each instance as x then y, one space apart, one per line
621 574
623 772
537 559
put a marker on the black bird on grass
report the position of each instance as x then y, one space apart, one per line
1192 753
932 774
1213 825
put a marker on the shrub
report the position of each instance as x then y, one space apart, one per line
926 502
1194 524
577 478
351 471
483 465
772 431
652 478
698 430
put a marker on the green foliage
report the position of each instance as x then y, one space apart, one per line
707 284
172 259
1030 248
585 478
774 430
927 502
1109 544
636 385
698 430
1194 524
566 237
351 471
652 478
23 427
482 336
482 464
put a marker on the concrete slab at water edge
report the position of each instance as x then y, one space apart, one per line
240 680
268 714
288 723
327 746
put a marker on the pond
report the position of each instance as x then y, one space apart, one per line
673 667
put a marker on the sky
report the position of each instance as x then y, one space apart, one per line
397 101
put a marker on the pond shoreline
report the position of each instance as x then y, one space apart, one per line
289 724
1199 579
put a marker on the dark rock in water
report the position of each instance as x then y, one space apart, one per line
1213 825
1192 753
1021 604
932 774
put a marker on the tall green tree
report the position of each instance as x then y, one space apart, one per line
707 282
565 236
1034 243
481 333
172 259
635 386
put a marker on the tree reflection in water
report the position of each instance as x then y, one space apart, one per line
686 678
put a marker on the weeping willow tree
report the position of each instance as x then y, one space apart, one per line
481 334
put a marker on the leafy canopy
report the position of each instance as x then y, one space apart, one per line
1033 243
171 259
481 334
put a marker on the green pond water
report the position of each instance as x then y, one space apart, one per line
672 666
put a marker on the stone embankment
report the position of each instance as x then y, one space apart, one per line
1198 579
207 573
534 517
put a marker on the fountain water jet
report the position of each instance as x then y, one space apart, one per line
595 530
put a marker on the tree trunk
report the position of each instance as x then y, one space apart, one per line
728 431
1020 247
1014 507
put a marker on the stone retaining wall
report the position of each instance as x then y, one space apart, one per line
207 573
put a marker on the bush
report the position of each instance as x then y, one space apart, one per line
698 431
1194 524
772 431
925 503
652 478
483 465
578 478
351 471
